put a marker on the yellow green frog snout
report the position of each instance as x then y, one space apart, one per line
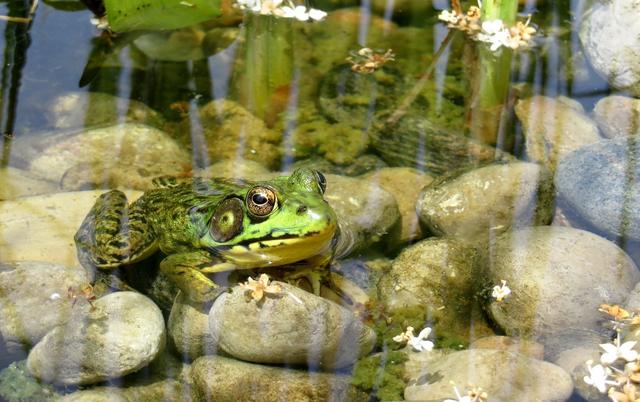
211 225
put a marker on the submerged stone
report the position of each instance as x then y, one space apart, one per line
366 212
124 155
618 116
292 327
609 34
489 200
554 127
35 289
123 333
19 183
227 380
558 278
504 376
600 186
188 327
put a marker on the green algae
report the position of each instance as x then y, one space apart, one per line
382 375
17 385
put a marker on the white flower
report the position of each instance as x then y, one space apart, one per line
615 351
598 377
492 27
501 292
418 343
495 33
449 17
316 14
461 398
54 296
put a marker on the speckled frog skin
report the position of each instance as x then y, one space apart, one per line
212 225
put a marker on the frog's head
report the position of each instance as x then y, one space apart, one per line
274 222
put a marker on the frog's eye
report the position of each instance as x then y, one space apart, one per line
226 221
261 201
322 182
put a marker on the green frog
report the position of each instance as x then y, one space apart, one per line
205 226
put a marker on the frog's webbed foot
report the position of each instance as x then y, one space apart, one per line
186 270
113 233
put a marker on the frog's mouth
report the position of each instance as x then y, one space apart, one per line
274 252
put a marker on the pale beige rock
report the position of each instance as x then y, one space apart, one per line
188 328
405 184
124 155
15 183
504 376
558 278
123 332
618 116
293 327
41 228
554 127
488 200
531 349
221 379
366 212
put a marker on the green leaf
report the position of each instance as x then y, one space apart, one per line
133 15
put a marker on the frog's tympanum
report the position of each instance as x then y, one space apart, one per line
205 226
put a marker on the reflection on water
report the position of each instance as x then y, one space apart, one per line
479 243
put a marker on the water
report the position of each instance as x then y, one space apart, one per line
529 189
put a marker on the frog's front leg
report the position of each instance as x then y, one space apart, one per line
186 271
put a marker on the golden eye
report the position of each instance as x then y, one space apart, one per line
261 201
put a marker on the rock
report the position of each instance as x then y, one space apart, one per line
505 376
188 328
487 200
554 127
574 361
612 49
80 110
41 228
123 333
125 155
405 185
19 183
366 212
558 277
618 116
436 278
294 327
633 301
600 186
228 131
17 385
527 348
363 164
165 379
226 380
240 169
31 289
417 142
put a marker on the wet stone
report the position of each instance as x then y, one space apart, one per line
405 184
618 116
48 221
227 380
77 110
525 347
122 334
504 376
292 327
123 155
554 127
188 328
487 200
19 183
30 289
558 278
600 186
612 48
229 131
366 212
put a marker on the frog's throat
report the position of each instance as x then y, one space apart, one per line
276 252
